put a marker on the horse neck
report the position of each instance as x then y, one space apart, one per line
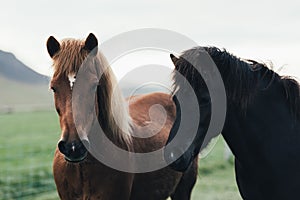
246 133
240 83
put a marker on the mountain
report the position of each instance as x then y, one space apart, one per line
21 88
13 69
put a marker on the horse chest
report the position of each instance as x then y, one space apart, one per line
84 181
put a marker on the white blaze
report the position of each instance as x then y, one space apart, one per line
72 79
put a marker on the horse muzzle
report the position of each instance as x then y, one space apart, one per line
75 151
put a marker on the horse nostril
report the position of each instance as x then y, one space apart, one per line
62 146
173 154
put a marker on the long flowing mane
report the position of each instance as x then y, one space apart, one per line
110 100
242 78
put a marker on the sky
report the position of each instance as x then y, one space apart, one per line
267 31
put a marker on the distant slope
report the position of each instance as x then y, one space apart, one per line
21 88
13 69
16 96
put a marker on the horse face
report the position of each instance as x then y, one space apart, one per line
203 101
187 156
73 148
74 142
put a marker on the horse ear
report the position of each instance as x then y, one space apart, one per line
91 43
174 59
53 46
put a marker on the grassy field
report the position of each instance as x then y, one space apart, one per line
26 151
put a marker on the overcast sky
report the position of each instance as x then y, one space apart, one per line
256 29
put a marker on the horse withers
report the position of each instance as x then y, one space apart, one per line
262 122
77 172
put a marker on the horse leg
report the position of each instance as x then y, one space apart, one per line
184 188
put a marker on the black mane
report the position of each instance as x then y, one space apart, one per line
242 78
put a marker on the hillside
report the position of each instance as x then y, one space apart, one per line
21 88
16 96
13 69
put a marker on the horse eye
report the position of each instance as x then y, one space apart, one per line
58 111
53 89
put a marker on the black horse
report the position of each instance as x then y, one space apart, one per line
262 123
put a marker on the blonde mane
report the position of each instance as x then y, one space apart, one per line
68 61
119 117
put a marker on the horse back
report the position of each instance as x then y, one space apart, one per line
153 116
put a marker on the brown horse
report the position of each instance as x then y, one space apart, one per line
77 172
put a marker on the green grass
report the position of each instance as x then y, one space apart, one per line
216 179
26 151
27 143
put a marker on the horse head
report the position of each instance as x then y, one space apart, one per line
191 95
68 56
